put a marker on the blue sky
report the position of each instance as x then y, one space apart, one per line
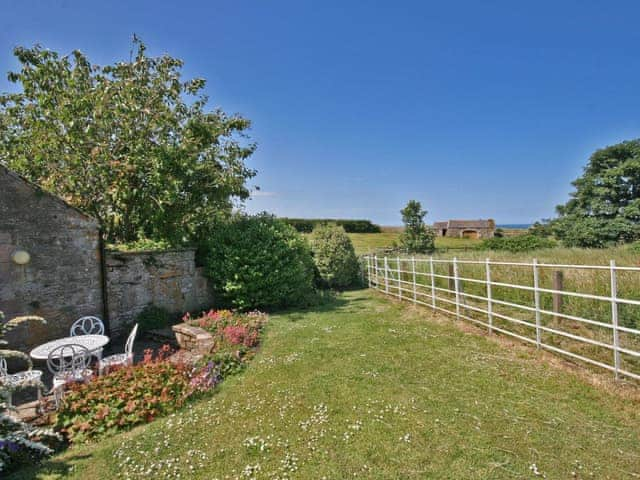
477 109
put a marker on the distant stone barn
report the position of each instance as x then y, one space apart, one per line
466 228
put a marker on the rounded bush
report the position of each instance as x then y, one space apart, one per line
259 262
334 256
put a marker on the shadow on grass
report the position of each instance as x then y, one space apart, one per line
49 468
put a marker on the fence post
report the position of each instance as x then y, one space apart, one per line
451 282
413 271
399 281
614 318
376 269
433 285
557 297
536 299
456 285
386 275
369 270
489 303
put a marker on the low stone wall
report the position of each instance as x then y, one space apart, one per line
193 339
168 279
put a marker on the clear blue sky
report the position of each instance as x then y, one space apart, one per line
477 109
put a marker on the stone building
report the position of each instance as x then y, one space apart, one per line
466 228
53 264
50 260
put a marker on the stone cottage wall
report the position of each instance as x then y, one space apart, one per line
167 279
482 232
62 281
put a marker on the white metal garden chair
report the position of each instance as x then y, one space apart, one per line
89 325
69 364
23 379
120 359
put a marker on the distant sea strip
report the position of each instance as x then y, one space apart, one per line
515 225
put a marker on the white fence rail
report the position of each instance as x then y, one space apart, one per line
521 306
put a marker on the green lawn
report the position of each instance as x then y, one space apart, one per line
367 388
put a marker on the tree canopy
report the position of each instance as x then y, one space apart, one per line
605 206
132 144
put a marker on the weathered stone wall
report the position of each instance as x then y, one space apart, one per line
62 281
458 232
167 279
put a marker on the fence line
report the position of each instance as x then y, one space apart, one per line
415 279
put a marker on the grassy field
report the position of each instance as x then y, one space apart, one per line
364 387
370 242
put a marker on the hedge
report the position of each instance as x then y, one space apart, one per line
306 225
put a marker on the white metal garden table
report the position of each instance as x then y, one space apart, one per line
93 343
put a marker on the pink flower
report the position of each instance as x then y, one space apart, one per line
235 334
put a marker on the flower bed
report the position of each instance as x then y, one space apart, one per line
232 332
161 383
131 395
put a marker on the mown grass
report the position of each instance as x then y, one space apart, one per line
363 387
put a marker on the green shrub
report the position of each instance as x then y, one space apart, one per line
152 318
258 262
541 229
519 243
140 245
334 256
587 232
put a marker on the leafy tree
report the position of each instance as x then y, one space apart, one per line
417 236
132 143
605 206
334 255
259 262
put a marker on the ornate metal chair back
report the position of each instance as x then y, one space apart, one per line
89 325
70 359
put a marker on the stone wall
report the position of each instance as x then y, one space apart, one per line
64 278
482 233
167 279
62 281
